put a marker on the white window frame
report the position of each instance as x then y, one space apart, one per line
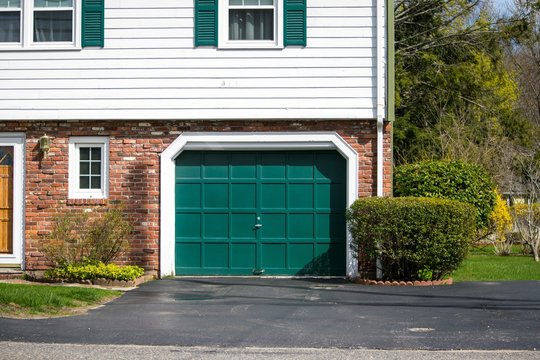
223 30
27 30
74 190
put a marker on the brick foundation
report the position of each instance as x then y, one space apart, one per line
135 148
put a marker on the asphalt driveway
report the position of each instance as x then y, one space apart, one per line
262 312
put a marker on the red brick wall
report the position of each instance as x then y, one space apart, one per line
135 183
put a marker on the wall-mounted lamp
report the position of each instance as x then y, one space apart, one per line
45 144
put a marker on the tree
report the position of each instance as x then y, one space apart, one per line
455 97
523 54
527 215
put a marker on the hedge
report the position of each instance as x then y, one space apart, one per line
454 180
413 238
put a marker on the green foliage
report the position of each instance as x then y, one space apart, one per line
414 238
20 299
78 272
79 238
455 97
454 180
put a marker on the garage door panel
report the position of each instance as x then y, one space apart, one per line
216 255
273 165
327 168
330 197
188 254
330 227
296 197
216 195
329 258
275 226
188 165
188 225
301 196
243 166
273 196
216 225
273 256
243 196
216 165
188 195
301 255
243 226
300 226
300 166
244 255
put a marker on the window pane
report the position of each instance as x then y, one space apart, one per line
251 2
96 153
84 182
267 2
96 168
53 26
53 3
10 26
251 24
235 2
96 182
84 168
6 155
10 3
84 153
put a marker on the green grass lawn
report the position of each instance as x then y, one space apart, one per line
22 300
483 265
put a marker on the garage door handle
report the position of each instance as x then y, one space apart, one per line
258 226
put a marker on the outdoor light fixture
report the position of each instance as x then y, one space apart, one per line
45 144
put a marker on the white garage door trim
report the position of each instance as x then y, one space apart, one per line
245 141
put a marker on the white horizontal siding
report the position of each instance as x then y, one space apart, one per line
149 69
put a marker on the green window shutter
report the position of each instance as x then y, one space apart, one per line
206 22
295 22
93 22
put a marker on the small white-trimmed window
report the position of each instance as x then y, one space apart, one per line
88 167
39 24
250 23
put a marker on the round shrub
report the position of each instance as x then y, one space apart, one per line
413 238
454 180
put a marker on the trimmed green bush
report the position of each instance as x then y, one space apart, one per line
78 272
413 238
454 180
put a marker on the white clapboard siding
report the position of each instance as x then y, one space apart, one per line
150 69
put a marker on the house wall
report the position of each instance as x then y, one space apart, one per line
149 69
134 172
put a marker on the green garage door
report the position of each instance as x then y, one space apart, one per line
267 212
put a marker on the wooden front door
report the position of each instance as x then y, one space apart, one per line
6 200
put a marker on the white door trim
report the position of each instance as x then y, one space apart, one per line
17 140
244 141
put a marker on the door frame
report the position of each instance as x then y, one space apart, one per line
17 140
244 141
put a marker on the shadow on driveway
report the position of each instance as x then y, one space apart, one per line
309 313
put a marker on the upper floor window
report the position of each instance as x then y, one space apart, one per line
250 23
251 20
10 21
53 20
56 24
